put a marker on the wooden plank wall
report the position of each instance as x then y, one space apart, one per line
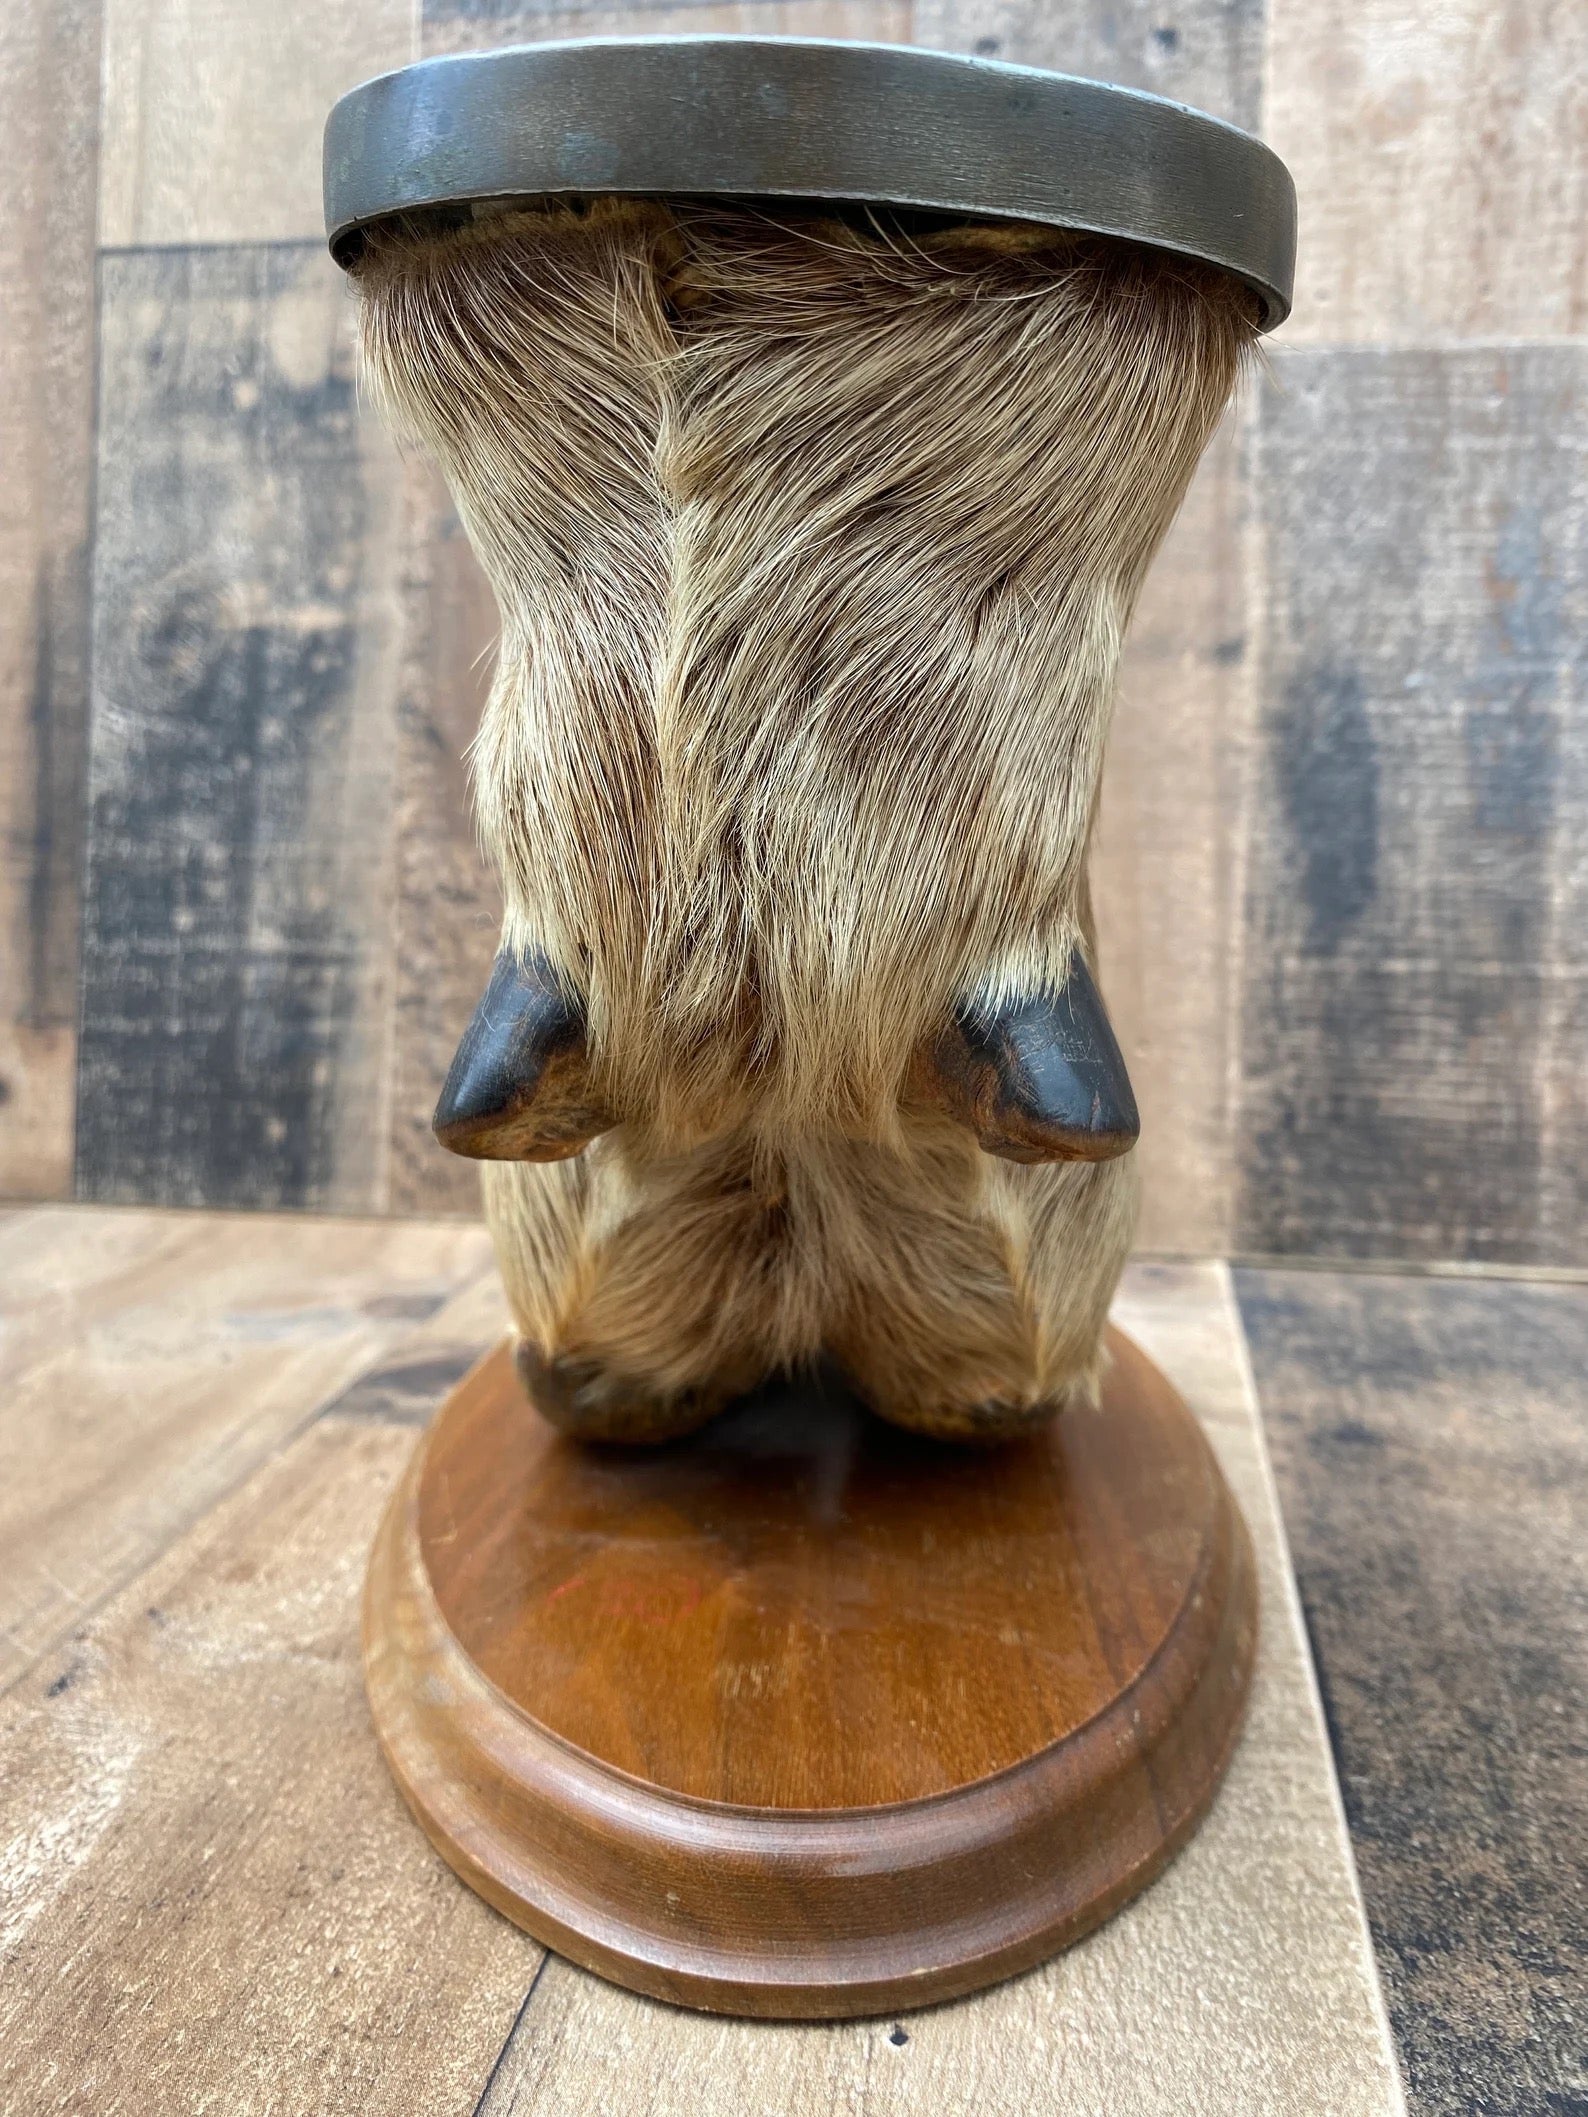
49 119
237 928
241 915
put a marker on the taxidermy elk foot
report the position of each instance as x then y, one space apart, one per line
815 539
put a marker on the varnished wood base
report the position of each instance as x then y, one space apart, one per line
803 1716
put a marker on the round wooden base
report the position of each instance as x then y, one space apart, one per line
804 1716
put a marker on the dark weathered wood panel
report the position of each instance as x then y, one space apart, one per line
49 122
237 933
1416 982
1433 1462
1441 156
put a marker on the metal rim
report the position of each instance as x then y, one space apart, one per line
802 118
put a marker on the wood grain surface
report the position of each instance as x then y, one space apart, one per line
1209 54
1167 886
1441 157
49 120
211 1896
214 110
1433 1458
474 25
149 1363
1416 948
215 1900
802 1716
1206 52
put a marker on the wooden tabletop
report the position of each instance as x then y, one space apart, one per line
211 1896
1432 1447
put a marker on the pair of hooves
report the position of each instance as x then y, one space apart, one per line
591 1403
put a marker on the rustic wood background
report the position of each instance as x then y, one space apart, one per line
1345 871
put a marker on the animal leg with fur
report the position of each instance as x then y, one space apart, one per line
649 1292
815 542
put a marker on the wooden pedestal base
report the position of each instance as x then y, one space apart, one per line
803 1716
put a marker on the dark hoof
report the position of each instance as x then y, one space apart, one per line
974 1425
1039 1078
592 1403
519 1087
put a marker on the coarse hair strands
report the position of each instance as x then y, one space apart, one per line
815 538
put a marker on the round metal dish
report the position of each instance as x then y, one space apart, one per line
799 118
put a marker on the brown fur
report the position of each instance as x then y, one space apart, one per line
814 545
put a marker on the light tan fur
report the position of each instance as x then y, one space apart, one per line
814 544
